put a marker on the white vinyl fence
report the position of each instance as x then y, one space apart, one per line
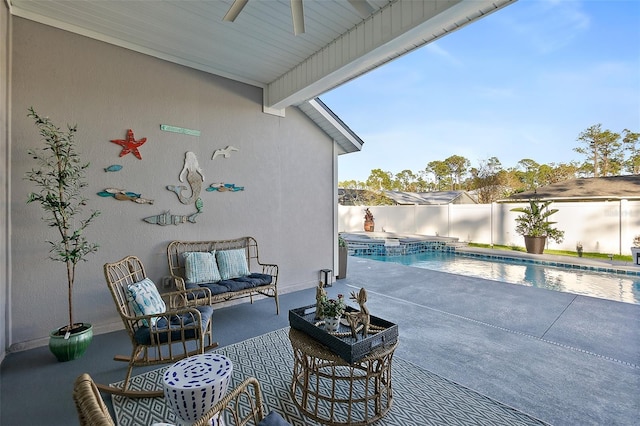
602 227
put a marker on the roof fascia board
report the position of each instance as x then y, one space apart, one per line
21 13
336 122
394 30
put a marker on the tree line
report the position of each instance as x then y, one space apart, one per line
606 153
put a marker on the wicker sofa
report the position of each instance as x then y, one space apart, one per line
230 269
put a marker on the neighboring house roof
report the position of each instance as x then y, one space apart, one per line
431 198
332 125
356 197
341 41
584 189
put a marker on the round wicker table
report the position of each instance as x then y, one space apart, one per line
332 391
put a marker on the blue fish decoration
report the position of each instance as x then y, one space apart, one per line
113 168
222 187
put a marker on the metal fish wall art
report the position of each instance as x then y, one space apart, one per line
123 195
223 187
113 168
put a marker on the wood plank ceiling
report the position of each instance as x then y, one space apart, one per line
340 41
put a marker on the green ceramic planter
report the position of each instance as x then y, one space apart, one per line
73 347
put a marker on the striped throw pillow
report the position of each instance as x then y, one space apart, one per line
232 263
201 267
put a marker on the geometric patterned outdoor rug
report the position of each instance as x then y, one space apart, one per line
419 396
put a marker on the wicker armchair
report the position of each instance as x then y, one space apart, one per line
91 408
242 406
181 330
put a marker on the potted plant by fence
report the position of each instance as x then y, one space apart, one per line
343 252
534 225
59 176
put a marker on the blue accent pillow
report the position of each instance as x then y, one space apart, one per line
232 263
273 419
145 299
200 267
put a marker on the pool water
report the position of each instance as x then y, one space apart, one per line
618 287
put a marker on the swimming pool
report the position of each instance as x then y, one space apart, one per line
612 286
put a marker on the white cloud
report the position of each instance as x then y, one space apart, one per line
550 25
436 49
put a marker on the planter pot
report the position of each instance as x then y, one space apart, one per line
331 324
635 254
73 347
343 252
369 225
534 245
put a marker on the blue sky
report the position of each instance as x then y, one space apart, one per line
520 83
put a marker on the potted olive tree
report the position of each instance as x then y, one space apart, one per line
59 177
534 225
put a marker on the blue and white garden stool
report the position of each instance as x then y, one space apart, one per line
194 385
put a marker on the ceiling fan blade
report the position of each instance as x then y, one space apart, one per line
298 16
363 8
234 10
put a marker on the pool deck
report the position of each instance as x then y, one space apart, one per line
563 358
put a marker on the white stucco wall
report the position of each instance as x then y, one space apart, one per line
285 165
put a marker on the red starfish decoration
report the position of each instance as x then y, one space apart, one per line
130 145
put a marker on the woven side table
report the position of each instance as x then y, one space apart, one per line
331 391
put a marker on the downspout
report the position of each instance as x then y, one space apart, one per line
334 170
5 192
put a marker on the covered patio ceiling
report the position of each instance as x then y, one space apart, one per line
341 40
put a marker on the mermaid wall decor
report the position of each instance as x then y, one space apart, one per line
194 175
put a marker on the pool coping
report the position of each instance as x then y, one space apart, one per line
588 264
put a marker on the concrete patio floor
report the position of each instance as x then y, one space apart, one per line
565 359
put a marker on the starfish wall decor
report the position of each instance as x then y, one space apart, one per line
130 145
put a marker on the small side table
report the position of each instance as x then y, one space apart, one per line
194 385
332 391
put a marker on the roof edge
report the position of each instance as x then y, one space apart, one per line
326 119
